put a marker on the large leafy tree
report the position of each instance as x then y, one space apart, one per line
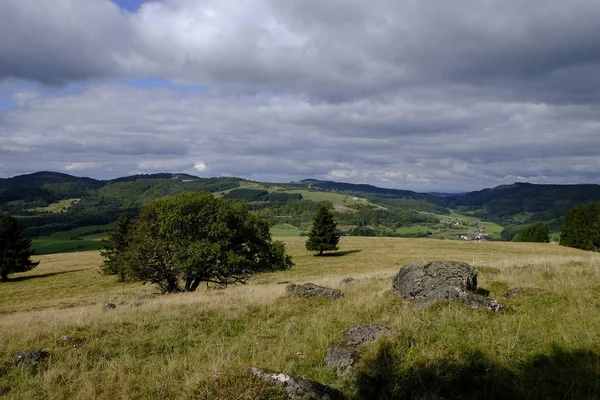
323 235
537 232
180 242
116 246
15 249
581 227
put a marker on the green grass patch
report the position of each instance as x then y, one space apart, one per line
541 345
78 239
57 207
284 230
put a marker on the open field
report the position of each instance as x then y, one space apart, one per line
284 230
78 239
57 207
541 345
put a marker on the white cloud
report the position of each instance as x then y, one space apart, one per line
82 166
200 166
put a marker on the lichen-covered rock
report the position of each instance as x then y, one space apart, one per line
30 359
311 290
519 290
434 280
359 334
341 357
297 387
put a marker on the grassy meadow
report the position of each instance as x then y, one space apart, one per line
543 344
75 240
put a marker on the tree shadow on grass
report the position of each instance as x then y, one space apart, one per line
47 275
561 374
340 253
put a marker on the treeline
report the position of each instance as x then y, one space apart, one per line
252 195
537 232
369 216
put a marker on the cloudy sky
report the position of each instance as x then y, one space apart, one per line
415 94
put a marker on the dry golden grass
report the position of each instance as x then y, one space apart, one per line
189 345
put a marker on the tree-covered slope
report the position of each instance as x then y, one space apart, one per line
39 199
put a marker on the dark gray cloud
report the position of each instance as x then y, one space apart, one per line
422 95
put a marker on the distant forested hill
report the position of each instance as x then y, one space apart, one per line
524 203
50 202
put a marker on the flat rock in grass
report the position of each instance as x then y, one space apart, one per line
311 290
428 281
297 387
30 359
341 357
359 334
348 281
519 290
479 301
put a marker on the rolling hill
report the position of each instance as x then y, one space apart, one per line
51 205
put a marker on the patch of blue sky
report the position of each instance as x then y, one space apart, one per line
6 100
130 5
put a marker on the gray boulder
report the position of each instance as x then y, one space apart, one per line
341 357
359 334
433 280
296 387
30 359
311 290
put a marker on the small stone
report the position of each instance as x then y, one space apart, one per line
144 296
297 387
519 290
479 301
70 341
311 290
359 334
341 358
109 306
31 359
348 281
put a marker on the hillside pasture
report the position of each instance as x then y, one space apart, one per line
58 206
79 239
542 345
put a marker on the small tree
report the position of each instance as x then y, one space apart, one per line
180 242
537 232
116 246
323 235
15 252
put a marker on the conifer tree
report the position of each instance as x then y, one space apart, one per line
15 252
116 246
323 235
